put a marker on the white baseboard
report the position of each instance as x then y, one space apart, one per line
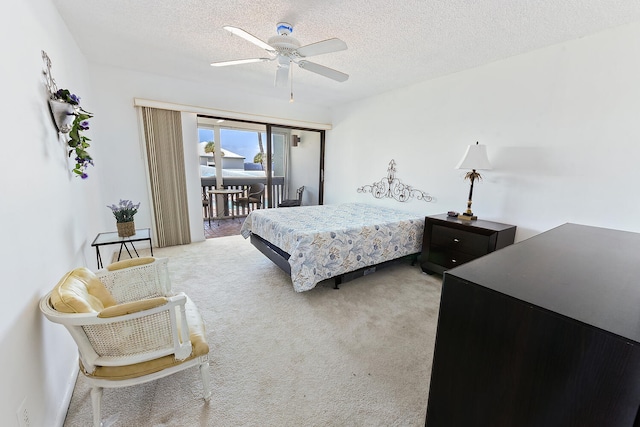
68 393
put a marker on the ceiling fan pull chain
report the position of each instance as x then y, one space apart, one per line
291 83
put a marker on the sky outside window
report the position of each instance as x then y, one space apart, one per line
244 143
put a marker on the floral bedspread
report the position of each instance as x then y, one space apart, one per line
329 240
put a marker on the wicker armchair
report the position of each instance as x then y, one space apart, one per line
128 326
254 196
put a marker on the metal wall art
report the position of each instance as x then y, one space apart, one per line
391 187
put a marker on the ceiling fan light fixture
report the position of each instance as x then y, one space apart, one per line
283 44
284 61
282 73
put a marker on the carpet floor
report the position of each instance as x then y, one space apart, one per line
357 356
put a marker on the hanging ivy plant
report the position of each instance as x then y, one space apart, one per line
78 143
64 104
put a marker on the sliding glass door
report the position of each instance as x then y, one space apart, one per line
236 155
296 156
232 157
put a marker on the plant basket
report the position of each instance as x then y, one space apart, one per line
126 229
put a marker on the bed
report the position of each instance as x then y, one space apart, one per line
315 243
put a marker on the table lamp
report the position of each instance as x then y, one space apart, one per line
475 158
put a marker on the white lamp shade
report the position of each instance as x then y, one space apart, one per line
475 158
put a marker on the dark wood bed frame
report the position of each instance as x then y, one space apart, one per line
281 259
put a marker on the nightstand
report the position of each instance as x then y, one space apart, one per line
449 241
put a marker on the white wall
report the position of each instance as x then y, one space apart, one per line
48 217
561 125
305 167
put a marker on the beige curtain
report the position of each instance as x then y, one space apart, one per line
165 157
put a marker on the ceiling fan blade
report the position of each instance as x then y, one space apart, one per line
239 61
282 75
323 71
249 37
325 46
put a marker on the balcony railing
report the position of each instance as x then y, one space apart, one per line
271 197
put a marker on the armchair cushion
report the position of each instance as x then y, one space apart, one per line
137 369
80 291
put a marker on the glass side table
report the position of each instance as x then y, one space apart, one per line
112 238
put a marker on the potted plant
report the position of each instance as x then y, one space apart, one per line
71 118
124 212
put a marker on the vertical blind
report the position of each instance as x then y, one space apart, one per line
165 158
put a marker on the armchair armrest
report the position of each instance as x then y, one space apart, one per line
131 307
128 333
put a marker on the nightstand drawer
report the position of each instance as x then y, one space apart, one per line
460 240
448 258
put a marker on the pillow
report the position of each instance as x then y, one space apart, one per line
80 291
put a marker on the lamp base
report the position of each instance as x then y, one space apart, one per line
467 217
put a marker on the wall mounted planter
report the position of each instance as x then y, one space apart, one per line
63 114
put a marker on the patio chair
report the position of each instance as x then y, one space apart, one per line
293 202
254 196
128 325
206 207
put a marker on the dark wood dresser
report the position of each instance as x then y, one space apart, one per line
545 332
450 242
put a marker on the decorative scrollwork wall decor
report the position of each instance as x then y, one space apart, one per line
391 187
49 80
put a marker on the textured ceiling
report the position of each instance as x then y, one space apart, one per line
390 43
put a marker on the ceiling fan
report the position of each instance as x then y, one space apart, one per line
285 49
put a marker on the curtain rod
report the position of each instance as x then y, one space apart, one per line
140 102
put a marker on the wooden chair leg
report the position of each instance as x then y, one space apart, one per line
204 373
96 403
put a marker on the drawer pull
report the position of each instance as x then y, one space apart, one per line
456 240
454 261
